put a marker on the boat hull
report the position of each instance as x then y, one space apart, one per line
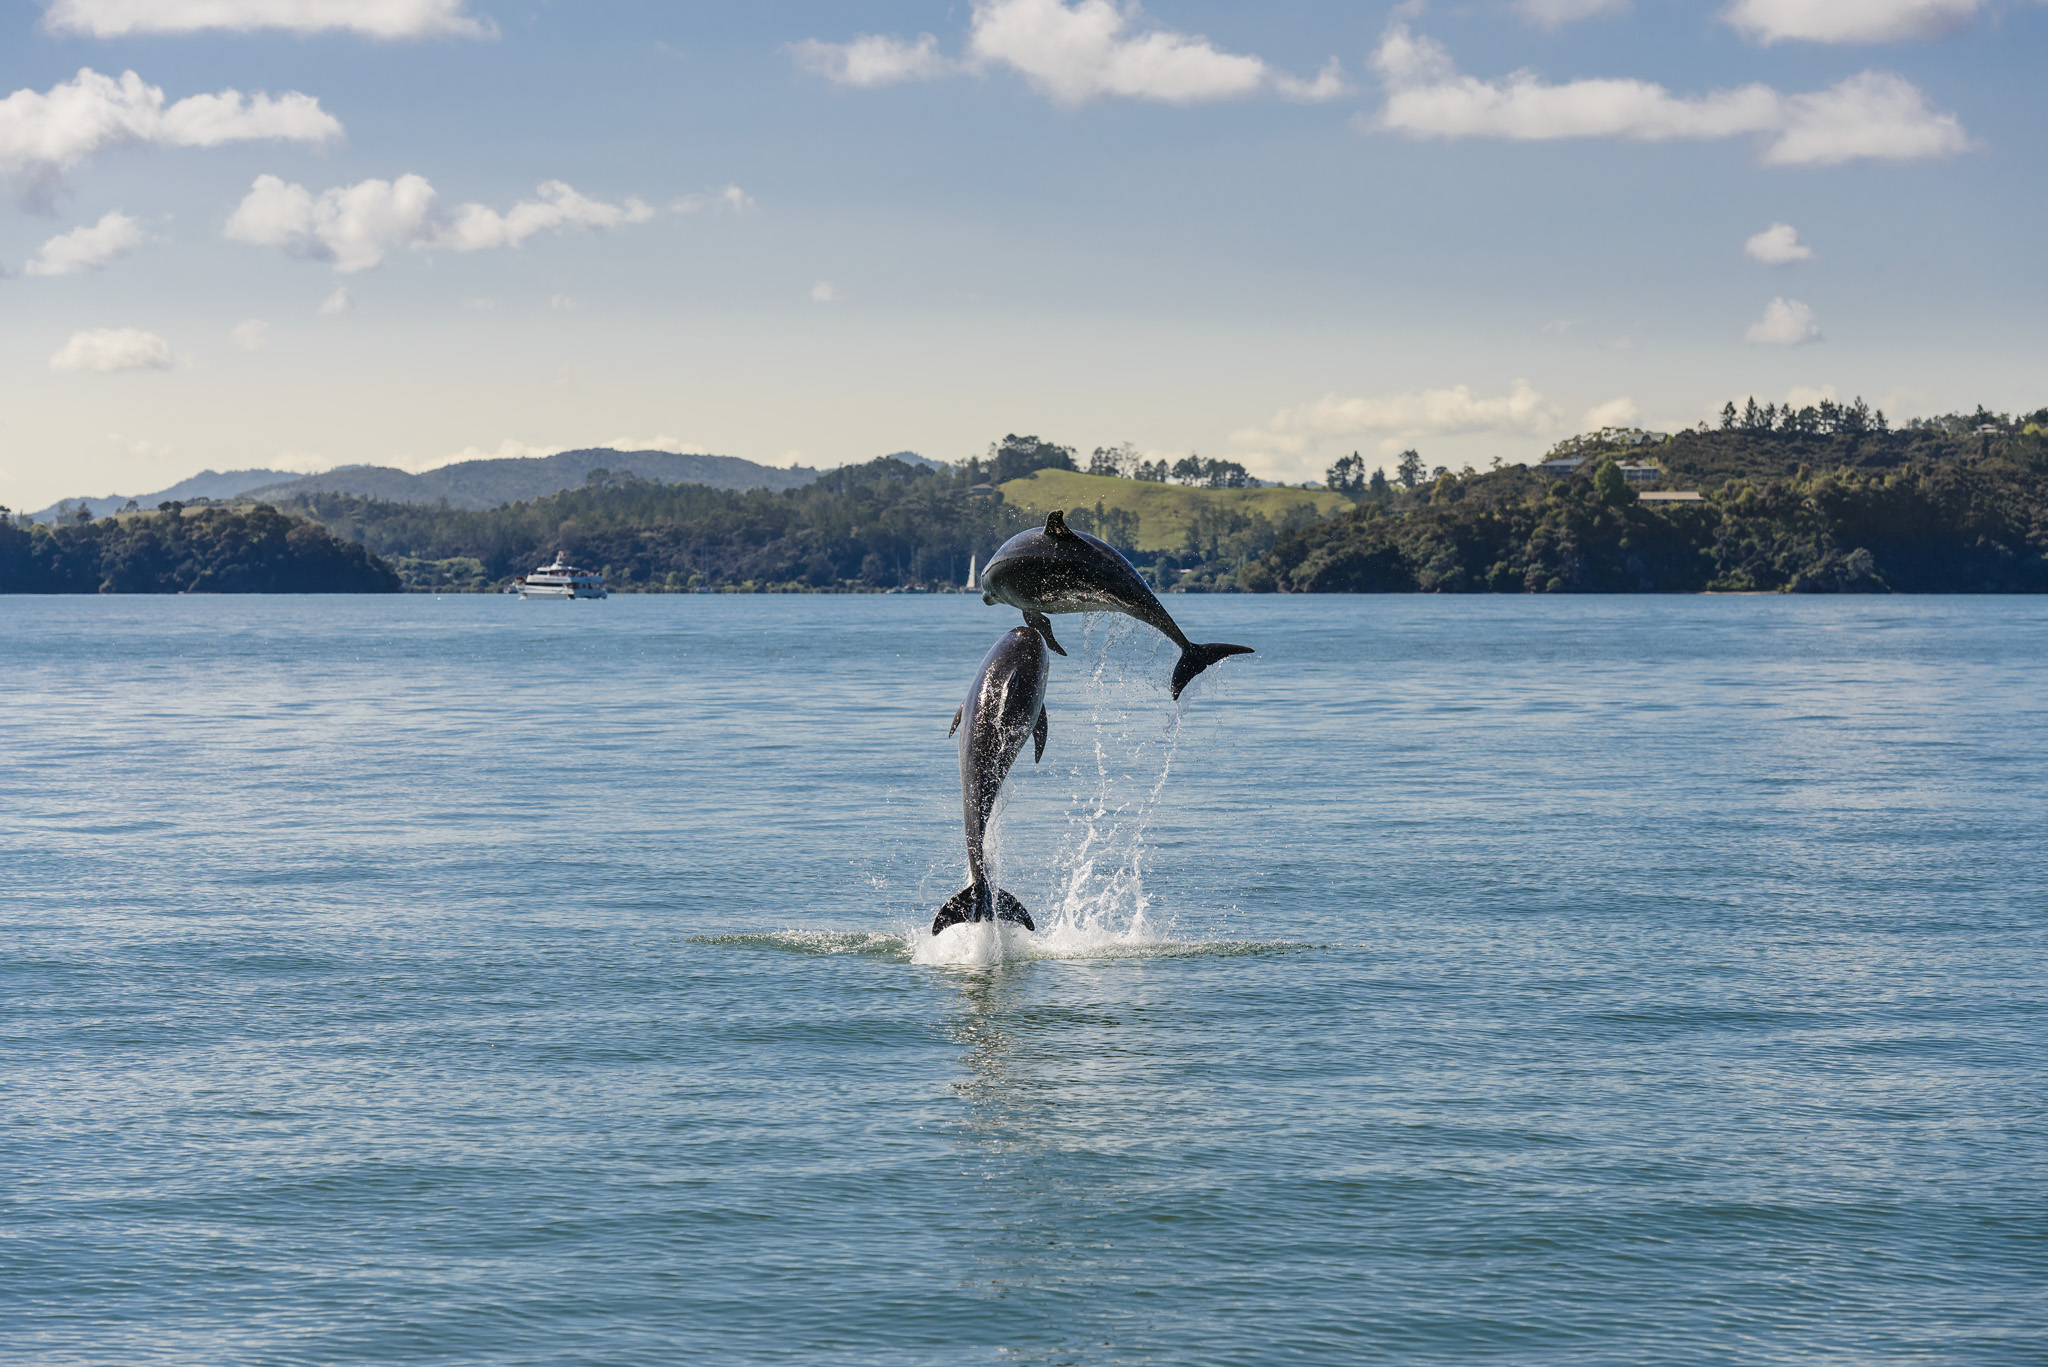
561 591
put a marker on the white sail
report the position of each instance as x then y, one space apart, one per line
971 585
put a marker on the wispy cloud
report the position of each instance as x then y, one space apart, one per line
1426 412
1552 14
43 135
1874 115
106 350
388 19
1072 53
873 60
251 334
825 292
1849 21
731 200
353 226
88 248
341 301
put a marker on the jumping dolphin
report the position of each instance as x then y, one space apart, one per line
1005 705
1062 570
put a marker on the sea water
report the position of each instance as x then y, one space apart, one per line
469 980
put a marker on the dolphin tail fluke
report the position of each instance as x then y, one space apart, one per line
1197 658
959 908
1042 624
1010 909
970 904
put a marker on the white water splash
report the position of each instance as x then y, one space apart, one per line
1116 751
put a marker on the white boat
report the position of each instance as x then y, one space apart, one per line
561 580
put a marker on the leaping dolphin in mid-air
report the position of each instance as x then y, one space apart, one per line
1062 570
1005 706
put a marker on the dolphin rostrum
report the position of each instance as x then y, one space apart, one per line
1005 706
1058 569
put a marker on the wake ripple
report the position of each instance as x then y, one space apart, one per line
987 945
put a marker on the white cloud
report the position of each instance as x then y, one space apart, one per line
1875 114
44 135
1799 396
873 60
1557 13
371 18
251 334
1329 84
341 301
1080 52
1786 322
477 228
1428 412
825 292
1072 52
1777 245
88 248
562 303
731 200
353 226
1620 412
105 350
1848 21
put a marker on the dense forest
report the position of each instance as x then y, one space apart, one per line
1951 505
180 550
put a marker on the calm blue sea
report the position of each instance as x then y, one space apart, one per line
1454 981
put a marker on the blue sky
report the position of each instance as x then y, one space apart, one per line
406 231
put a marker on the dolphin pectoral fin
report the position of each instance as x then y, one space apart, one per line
1042 624
1038 738
958 713
1195 659
959 910
1010 909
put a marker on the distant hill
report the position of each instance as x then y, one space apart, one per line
205 484
466 484
1165 511
912 458
489 483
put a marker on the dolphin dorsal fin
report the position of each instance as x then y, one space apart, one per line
1056 526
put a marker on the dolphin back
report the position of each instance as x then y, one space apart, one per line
1004 709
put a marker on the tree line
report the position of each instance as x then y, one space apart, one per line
175 550
1937 507
1014 457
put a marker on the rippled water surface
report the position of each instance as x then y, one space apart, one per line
1485 981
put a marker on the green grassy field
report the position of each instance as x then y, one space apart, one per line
1164 510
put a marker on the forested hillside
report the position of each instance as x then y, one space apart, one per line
1956 505
176 550
873 526
1777 502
